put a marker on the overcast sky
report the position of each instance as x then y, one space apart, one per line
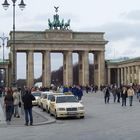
119 19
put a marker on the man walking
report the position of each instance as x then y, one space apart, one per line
27 100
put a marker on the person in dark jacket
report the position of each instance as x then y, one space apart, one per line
8 102
79 93
27 100
124 96
107 95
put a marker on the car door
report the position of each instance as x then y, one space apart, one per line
52 105
44 100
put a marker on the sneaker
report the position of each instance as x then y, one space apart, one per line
31 123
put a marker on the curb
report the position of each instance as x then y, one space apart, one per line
3 123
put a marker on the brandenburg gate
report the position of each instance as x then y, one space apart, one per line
60 39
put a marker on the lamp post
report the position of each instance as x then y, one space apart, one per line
4 40
5 6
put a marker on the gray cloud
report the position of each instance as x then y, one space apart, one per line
132 15
116 31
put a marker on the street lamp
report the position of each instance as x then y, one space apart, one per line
21 6
4 39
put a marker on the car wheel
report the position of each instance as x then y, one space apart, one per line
55 115
47 109
41 106
51 113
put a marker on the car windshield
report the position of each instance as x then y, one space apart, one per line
36 94
49 97
62 99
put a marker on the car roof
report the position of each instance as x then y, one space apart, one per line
58 93
36 91
63 95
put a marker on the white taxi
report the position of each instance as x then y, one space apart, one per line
66 106
43 96
37 95
46 101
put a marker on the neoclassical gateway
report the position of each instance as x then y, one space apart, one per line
60 39
65 42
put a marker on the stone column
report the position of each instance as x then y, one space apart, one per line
137 74
102 68
118 77
30 69
99 68
122 76
108 75
128 75
85 67
46 69
80 68
67 68
13 64
125 76
132 74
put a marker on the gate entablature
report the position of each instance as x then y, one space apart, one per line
59 40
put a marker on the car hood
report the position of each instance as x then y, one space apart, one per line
37 97
67 105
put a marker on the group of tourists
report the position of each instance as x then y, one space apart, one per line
15 98
120 94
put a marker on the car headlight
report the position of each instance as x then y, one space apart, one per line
61 109
80 108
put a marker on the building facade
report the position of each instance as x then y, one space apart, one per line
123 71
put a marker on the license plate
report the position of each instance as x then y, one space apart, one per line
72 113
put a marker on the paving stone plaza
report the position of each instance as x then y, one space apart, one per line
102 122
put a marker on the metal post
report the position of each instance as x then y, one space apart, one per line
22 6
14 53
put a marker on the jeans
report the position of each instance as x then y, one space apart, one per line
123 101
130 100
16 111
9 112
106 99
28 115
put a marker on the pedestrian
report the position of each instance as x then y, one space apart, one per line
27 100
130 94
124 96
118 93
107 95
16 97
138 94
114 93
79 93
8 103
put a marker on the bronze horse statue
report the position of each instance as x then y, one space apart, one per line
67 25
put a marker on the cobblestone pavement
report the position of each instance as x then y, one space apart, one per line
38 117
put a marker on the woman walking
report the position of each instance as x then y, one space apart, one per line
8 103
16 97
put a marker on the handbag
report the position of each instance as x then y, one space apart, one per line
19 104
